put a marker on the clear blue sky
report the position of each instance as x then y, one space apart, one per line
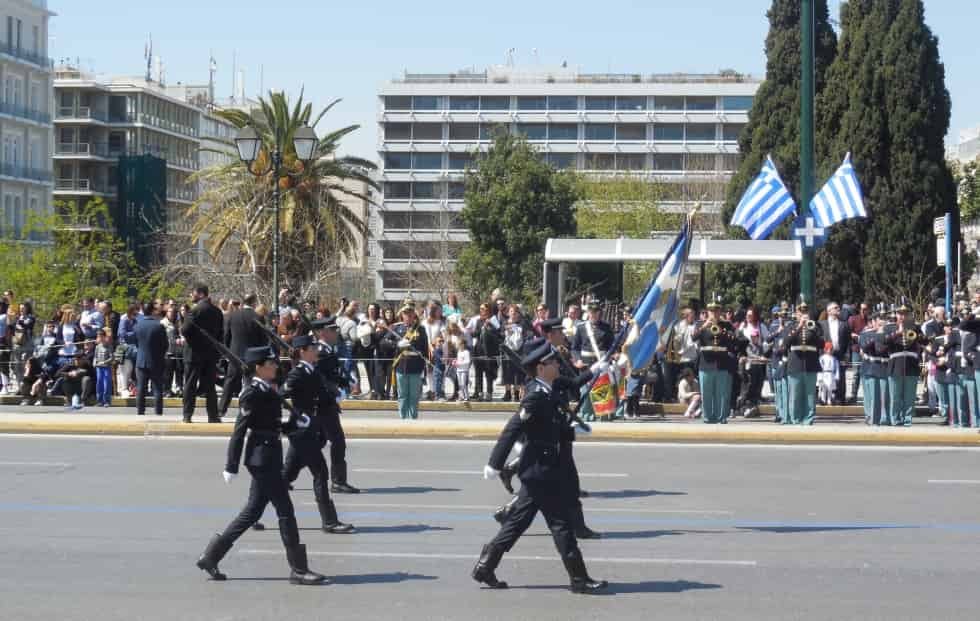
348 49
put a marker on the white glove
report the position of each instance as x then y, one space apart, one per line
404 344
229 476
489 472
302 421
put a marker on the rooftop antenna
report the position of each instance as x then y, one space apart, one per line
212 69
261 80
234 76
148 55
510 56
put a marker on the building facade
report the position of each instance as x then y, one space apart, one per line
25 113
679 129
99 119
968 147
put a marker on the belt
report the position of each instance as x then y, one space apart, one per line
874 359
903 354
803 348
714 348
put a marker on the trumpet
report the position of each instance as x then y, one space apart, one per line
909 336
714 329
810 325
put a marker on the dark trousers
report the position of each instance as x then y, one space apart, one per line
840 391
199 377
173 371
232 387
672 377
557 513
334 432
155 377
267 486
382 378
304 452
485 369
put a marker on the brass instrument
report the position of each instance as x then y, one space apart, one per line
909 337
810 325
714 329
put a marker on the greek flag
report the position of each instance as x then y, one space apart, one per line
656 310
840 199
765 204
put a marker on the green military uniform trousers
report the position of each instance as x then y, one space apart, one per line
901 402
409 393
782 398
802 397
716 395
966 401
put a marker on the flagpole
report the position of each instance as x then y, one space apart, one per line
806 140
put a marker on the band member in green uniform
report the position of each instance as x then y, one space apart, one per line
804 341
873 375
715 338
902 346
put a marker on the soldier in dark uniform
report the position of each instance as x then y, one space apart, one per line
260 412
593 338
804 342
943 351
873 370
903 348
336 386
544 487
777 366
409 366
305 388
965 367
715 339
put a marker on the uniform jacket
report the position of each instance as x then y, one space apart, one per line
260 410
582 344
903 355
873 365
944 352
410 361
151 344
804 346
304 387
203 317
715 350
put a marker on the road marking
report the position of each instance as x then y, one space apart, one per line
594 475
514 557
42 464
955 481
375 505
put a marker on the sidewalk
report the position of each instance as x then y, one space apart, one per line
486 424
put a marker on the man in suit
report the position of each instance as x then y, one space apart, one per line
151 354
838 332
242 331
201 327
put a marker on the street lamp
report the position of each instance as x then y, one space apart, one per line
249 143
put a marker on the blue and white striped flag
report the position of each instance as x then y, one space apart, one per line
765 204
840 199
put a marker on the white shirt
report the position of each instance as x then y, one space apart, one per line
834 325
463 361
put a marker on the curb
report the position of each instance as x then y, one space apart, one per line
696 434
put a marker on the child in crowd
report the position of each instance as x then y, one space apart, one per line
462 364
689 393
829 374
438 368
103 368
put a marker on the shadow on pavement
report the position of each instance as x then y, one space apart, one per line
401 528
398 576
633 493
407 489
621 588
813 529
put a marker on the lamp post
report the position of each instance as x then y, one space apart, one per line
806 138
249 144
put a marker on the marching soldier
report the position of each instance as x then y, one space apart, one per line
543 477
260 415
305 388
873 370
337 385
902 346
593 338
716 365
804 342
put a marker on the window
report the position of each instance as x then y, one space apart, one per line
563 131
398 103
425 102
453 220
702 104
731 131
398 161
631 161
396 280
398 190
411 220
455 190
36 40
599 131
563 102
10 32
562 161
20 28
396 249
489 130
668 132
600 161
427 161
730 162
700 133
464 131
464 103
631 103
700 162
668 104
668 161
423 190
600 103
737 103
460 161
631 131
532 103
426 131
533 131
494 104
398 131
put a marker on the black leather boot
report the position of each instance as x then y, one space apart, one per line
331 522
580 580
258 526
300 572
483 572
216 550
340 484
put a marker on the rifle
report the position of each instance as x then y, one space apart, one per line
275 338
573 416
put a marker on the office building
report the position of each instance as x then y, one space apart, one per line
679 129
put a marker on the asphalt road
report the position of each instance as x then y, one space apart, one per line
109 528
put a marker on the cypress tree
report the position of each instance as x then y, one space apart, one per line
774 128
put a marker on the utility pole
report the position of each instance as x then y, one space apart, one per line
806 139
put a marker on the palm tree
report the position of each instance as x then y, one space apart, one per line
234 212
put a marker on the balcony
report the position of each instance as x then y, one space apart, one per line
23 112
82 186
86 149
21 171
21 54
82 113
